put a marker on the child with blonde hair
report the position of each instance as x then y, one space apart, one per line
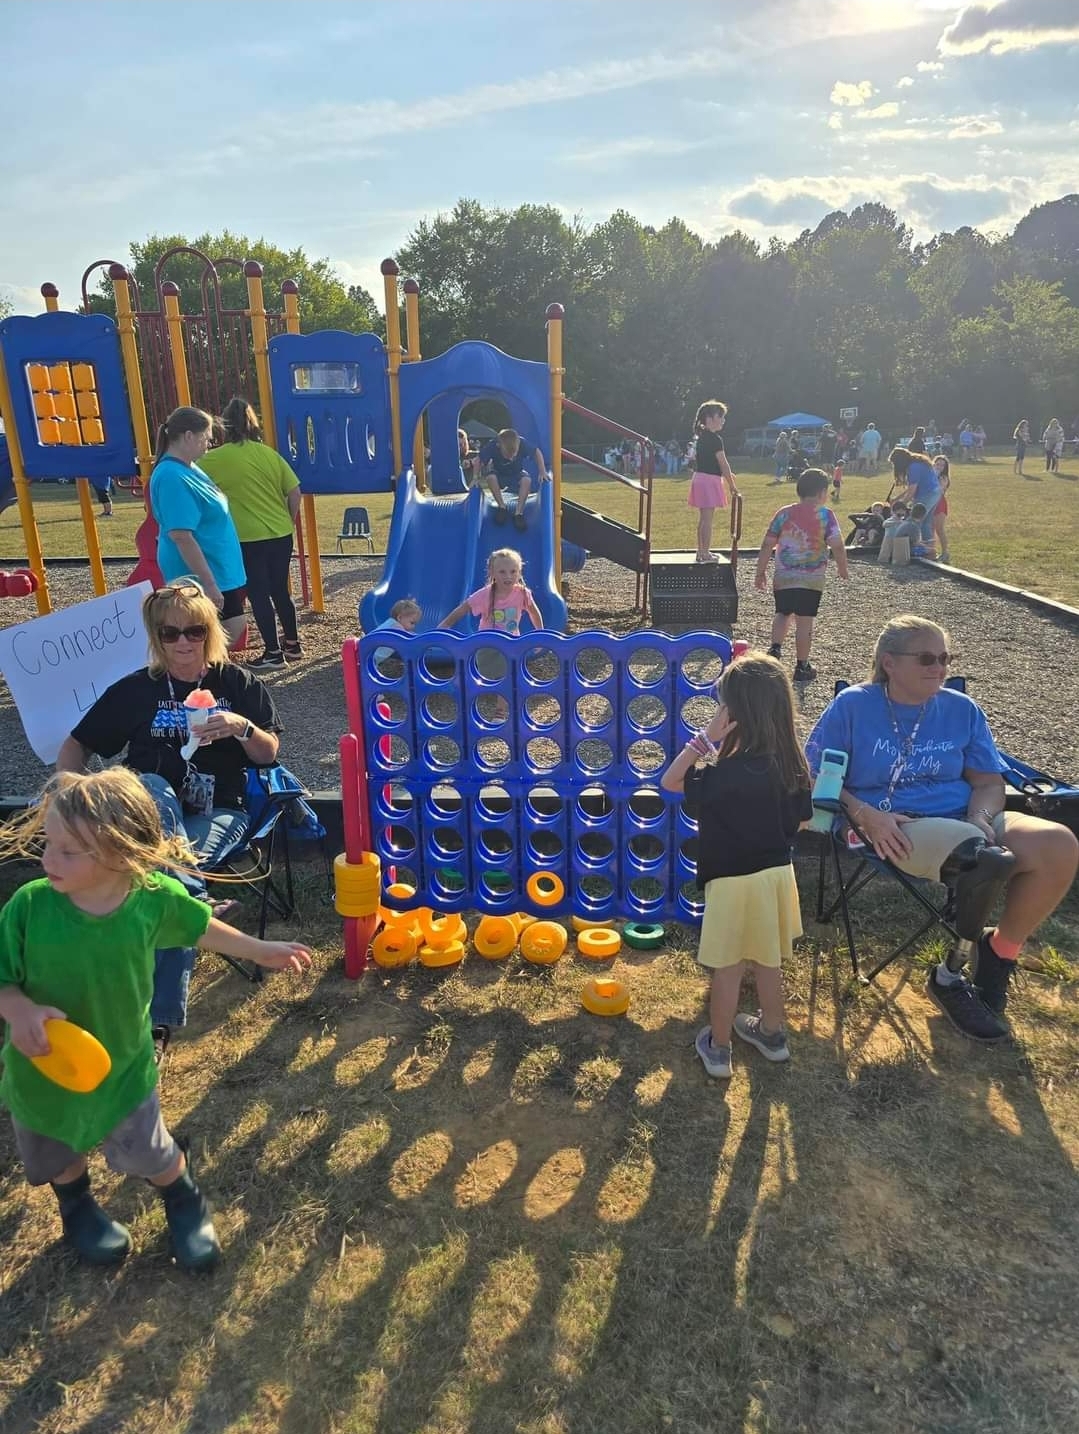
746 782
501 604
78 944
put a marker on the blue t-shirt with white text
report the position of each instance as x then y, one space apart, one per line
184 498
953 737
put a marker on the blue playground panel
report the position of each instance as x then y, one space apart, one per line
331 398
57 339
466 807
444 385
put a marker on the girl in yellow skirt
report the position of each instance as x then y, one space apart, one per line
712 476
747 786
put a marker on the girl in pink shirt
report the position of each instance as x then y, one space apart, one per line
500 604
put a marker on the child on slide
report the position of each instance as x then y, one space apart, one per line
499 606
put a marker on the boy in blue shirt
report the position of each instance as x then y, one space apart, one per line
502 465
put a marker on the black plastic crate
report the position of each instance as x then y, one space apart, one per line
696 609
681 573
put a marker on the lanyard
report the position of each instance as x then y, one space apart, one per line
172 690
904 750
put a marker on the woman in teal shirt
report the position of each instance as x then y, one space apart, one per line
196 534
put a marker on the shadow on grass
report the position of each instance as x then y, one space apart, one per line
460 1204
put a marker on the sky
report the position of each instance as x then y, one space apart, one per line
339 127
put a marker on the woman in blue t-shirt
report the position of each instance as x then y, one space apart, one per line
196 535
923 777
923 485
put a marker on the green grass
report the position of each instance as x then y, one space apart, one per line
1018 531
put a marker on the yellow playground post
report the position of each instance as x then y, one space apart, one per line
390 272
25 502
309 526
171 294
412 338
555 315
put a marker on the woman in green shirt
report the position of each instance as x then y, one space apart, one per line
264 498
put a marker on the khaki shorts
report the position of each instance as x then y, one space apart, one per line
934 838
140 1145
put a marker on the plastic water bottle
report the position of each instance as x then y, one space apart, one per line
827 787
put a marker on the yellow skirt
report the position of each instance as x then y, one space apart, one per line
750 918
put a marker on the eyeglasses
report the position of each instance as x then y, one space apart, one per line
195 633
931 659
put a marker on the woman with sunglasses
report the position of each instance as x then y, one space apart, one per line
196 534
203 792
923 777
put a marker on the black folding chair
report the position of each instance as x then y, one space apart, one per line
850 881
263 859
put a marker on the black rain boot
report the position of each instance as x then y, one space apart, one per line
87 1229
992 976
191 1231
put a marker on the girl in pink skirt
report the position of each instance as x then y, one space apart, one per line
711 473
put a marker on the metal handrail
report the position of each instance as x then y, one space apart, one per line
601 468
643 488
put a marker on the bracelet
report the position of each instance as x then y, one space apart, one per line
987 814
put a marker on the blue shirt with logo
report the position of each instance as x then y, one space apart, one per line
184 498
953 737
507 469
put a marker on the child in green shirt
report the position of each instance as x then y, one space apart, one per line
79 945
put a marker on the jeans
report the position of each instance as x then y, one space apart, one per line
266 563
212 838
928 535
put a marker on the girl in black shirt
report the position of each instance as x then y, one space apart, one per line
746 783
711 473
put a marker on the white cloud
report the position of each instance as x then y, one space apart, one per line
904 82
929 67
975 127
1010 25
835 120
618 151
24 298
885 111
845 93
928 202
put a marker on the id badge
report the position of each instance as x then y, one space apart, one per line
198 793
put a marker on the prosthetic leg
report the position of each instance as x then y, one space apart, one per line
975 873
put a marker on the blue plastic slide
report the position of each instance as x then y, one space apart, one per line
438 550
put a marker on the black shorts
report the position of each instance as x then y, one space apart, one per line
802 602
232 603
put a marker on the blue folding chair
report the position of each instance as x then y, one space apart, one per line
278 810
868 866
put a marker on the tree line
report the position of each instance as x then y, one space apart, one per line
850 313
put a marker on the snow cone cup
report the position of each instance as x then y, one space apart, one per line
199 706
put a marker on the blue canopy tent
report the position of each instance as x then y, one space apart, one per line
799 421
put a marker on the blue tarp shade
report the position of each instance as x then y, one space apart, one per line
798 420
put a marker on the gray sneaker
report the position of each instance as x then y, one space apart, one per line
772 1046
715 1059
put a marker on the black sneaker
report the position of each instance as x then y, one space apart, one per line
965 1009
805 672
992 976
292 651
268 662
776 651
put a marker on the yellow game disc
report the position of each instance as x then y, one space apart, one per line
605 998
599 943
545 889
494 938
77 1060
436 956
393 946
543 942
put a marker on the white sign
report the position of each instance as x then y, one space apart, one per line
58 666
848 415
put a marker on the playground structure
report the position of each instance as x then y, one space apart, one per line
351 413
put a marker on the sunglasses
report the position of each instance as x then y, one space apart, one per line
931 659
195 633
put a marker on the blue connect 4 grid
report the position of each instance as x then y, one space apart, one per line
491 757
